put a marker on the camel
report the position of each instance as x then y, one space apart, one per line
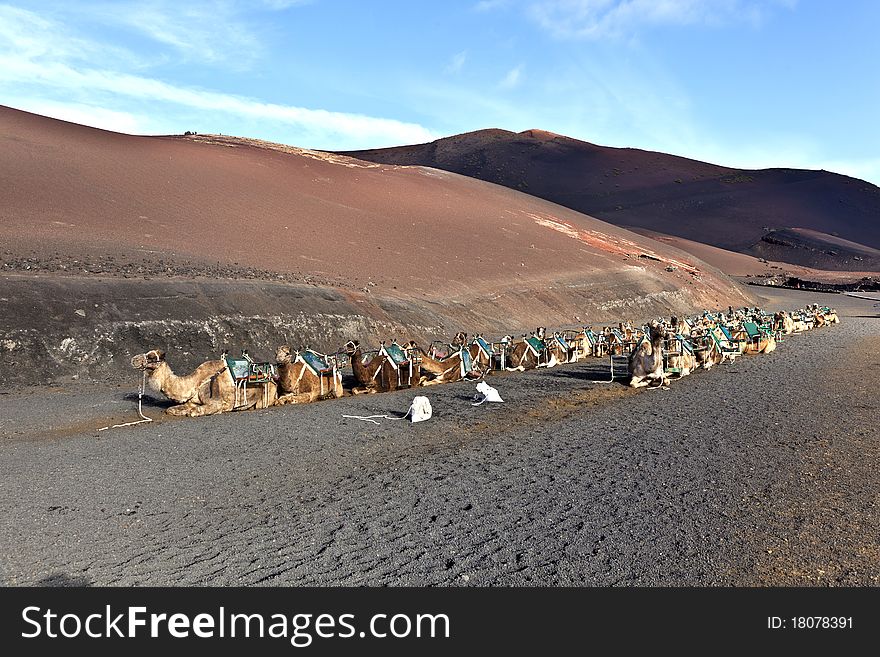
559 350
618 340
406 365
645 363
680 326
208 390
825 314
799 324
303 382
706 350
481 352
683 360
764 344
441 349
782 322
589 343
378 374
447 370
526 354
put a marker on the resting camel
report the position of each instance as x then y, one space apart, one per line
481 357
447 370
376 375
299 384
680 326
762 345
523 356
646 361
208 390
683 360
706 351
782 322
557 353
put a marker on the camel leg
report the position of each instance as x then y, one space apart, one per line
638 382
213 407
294 398
180 409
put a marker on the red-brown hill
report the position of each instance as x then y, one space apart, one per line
722 206
338 248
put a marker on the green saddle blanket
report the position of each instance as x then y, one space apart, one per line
537 345
243 369
396 353
484 346
315 362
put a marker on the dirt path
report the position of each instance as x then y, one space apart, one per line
759 472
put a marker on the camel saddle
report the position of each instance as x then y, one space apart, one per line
685 343
396 353
245 369
483 345
316 362
562 343
467 363
536 345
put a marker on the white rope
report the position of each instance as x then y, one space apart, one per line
144 418
369 418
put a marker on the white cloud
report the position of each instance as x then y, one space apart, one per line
41 66
512 79
490 5
96 117
595 19
206 31
284 4
456 63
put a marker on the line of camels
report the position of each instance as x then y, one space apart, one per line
654 352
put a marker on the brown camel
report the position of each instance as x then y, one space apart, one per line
560 350
782 322
451 368
529 352
706 350
482 352
382 372
764 344
306 377
680 358
645 363
208 390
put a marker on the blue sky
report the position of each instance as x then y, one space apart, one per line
751 83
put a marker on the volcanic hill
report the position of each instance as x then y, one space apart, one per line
802 217
113 243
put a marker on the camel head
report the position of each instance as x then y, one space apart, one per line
148 361
282 355
460 338
540 332
352 346
413 348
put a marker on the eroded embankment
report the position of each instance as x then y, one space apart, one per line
56 328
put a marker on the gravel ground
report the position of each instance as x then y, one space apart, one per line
761 472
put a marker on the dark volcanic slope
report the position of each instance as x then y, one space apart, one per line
817 250
725 207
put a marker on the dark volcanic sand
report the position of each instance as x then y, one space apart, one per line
762 472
